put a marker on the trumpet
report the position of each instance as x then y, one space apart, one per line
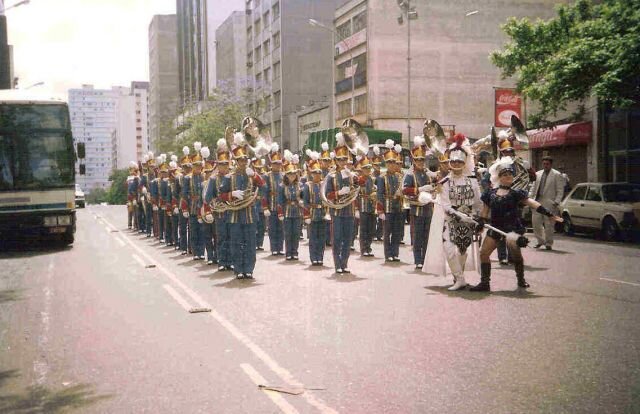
219 206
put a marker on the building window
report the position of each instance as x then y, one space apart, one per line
277 128
267 103
276 41
344 31
344 109
259 80
266 18
276 99
267 76
275 10
276 70
258 53
266 48
249 33
360 22
360 103
256 28
250 59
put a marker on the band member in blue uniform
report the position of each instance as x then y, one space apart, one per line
339 184
415 182
185 201
389 206
273 181
164 205
289 209
315 213
242 183
221 218
170 195
208 225
366 206
175 177
195 192
154 192
376 162
501 209
132 193
258 166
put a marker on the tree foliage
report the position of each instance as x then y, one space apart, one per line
96 196
117 193
586 50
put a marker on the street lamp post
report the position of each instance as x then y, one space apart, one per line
20 3
412 14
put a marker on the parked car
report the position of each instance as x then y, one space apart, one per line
613 209
80 202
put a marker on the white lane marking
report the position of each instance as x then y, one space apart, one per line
41 367
120 241
253 347
620 281
177 297
139 260
277 399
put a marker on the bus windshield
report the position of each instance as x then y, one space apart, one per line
36 148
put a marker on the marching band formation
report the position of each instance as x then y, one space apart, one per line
222 205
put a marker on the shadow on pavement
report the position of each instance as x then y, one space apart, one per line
462 294
13 249
11 295
238 283
468 295
38 399
345 278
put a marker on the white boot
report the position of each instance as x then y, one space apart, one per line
460 283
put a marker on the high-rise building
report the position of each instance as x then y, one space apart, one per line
130 138
295 51
192 51
449 77
217 12
231 53
6 72
163 75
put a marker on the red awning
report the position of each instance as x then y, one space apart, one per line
567 134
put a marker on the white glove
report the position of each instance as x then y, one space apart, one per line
381 216
281 218
357 215
185 214
267 213
200 221
176 211
155 208
307 221
209 218
327 217
344 190
239 194
134 202
250 172
345 173
427 187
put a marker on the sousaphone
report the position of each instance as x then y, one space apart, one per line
434 136
354 137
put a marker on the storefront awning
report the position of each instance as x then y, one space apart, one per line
562 135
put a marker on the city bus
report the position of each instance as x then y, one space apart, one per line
37 168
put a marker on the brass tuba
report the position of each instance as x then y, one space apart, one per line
434 136
519 131
257 135
354 137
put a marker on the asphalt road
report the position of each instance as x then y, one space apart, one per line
91 328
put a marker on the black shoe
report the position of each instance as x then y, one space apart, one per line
538 245
485 278
481 287
228 268
504 262
294 257
339 271
259 248
248 275
279 254
239 275
548 247
345 270
523 283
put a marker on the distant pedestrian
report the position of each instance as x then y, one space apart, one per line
548 190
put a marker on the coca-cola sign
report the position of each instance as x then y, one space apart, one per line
507 102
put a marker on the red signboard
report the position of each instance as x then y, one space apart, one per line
567 134
507 103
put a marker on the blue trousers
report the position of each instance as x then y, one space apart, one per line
184 246
260 227
175 220
276 230
379 228
223 242
421 225
243 247
197 238
168 229
292 235
342 236
162 217
317 238
208 231
393 232
148 224
328 231
367 230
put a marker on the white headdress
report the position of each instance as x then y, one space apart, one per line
418 141
185 150
339 139
497 167
222 145
376 150
205 152
238 138
197 146
325 146
174 157
275 147
389 143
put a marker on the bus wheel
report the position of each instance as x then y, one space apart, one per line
68 238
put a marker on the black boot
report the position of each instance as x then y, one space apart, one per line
485 278
520 274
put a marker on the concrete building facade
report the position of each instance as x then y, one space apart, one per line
217 12
6 64
296 52
231 53
163 75
193 73
451 77
130 139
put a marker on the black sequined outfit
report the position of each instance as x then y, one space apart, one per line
505 211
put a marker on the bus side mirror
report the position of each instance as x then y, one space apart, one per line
80 150
82 169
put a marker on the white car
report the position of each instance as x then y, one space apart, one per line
80 202
610 208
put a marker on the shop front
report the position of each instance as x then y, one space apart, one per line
621 145
568 146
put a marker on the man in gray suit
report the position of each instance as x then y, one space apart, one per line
548 191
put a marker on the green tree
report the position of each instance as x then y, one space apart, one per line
96 196
117 193
586 50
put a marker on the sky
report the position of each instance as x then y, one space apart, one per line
67 43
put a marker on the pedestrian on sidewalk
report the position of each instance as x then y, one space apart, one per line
548 191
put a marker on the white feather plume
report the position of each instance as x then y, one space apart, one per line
376 150
275 147
314 155
205 152
295 159
145 158
174 157
132 164
339 139
308 152
164 157
173 165
238 138
333 154
398 148
389 143
222 145
325 146
503 134
418 141
288 155
159 160
185 150
150 155
197 146
498 166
